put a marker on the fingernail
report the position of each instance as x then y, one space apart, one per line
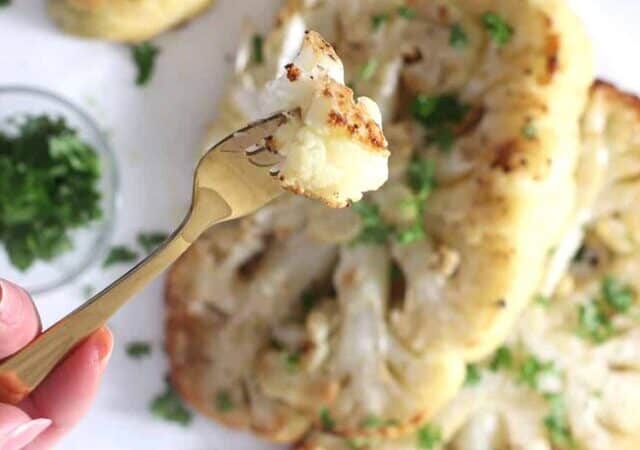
8 308
103 341
24 434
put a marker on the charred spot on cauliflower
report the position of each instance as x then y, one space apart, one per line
334 150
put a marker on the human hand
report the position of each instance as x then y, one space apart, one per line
65 396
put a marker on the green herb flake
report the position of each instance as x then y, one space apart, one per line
326 420
439 115
458 37
224 403
557 424
292 361
618 296
5 3
428 437
138 349
378 20
531 369
407 13
593 323
368 71
168 406
421 177
411 234
503 359
529 131
474 376
257 49
118 255
542 300
144 56
499 30
374 230
308 300
444 138
149 241
372 422
49 178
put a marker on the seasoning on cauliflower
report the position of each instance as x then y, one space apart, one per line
122 20
335 149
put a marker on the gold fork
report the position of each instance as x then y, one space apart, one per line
230 182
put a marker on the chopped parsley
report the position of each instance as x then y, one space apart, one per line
223 402
542 300
257 49
326 420
374 230
443 138
292 361
308 300
474 376
371 422
458 37
618 296
49 185
168 406
594 323
595 317
407 13
5 3
138 349
377 20
503 359
439 115
411 234
499 30
421 176
529 131
150 241
428 437
144 56
557 424
421 179
120 254
368 71
531 369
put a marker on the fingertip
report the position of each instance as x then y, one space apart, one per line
19 319
102 341
67 393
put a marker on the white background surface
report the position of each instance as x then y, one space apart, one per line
156 132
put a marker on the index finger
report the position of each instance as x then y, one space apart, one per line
19 320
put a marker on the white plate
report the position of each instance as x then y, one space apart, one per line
156 132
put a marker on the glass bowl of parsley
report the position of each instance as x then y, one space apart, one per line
58 189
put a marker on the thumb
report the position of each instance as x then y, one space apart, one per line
17 429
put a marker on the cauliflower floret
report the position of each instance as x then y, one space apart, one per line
122 20
334 150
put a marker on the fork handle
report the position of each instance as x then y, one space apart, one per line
21 373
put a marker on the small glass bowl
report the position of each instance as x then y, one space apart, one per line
90 243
